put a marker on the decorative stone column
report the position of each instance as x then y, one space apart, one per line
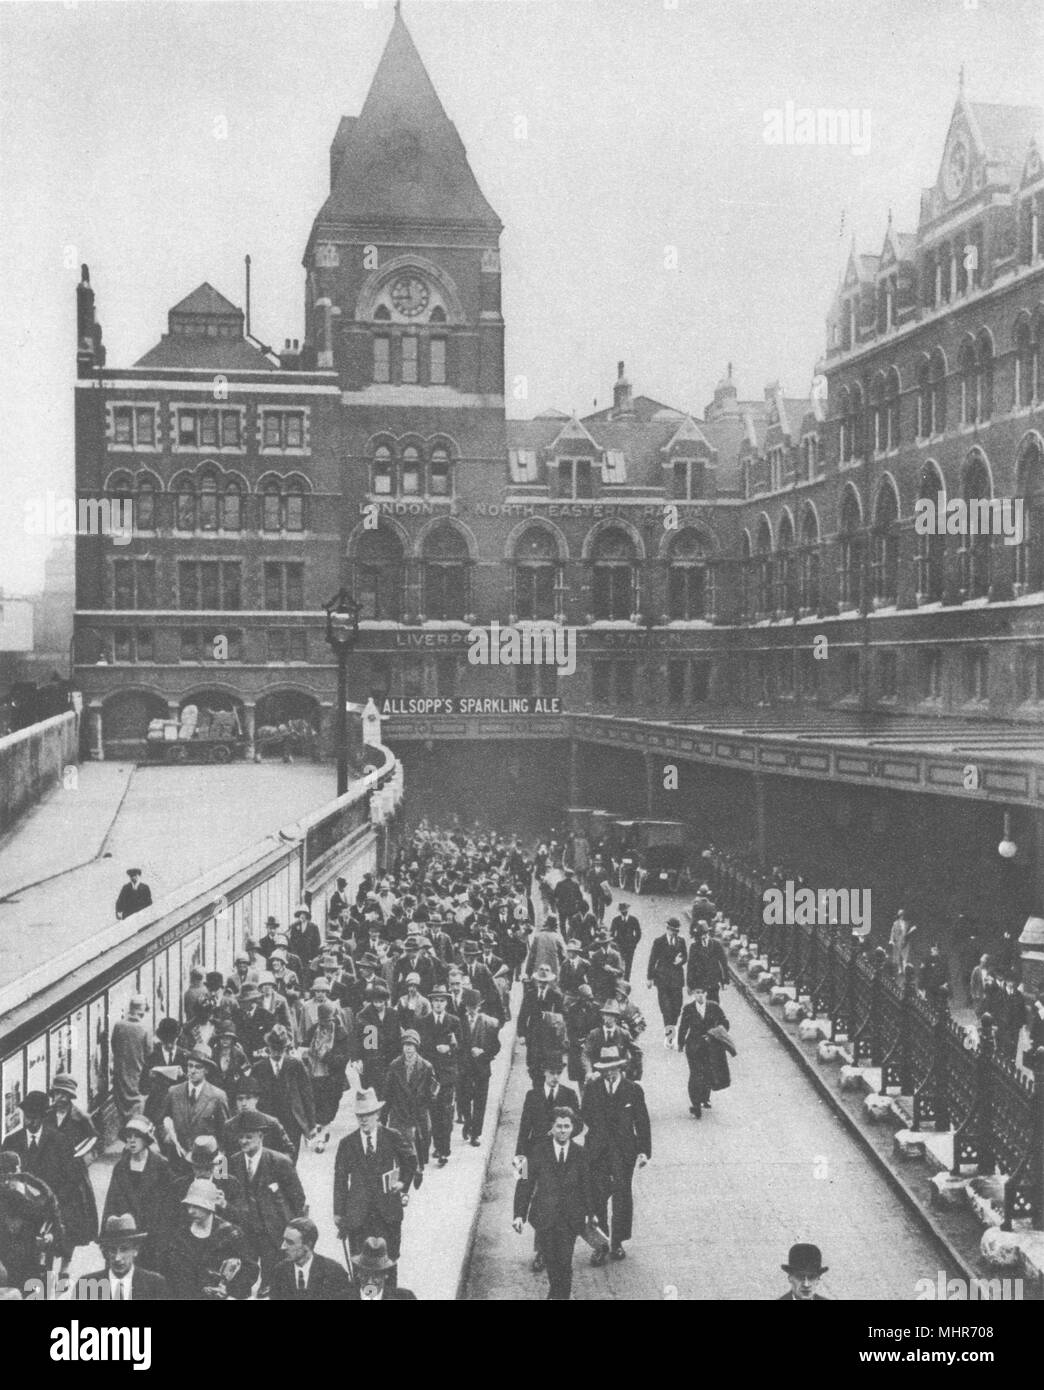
96 732
249 709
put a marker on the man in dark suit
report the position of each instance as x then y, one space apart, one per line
194 1106
479 1034
567 897
626 933
804 1268
302 1276
442 1044
619 1136
708 1064
481 978
252 1020
609 1033
667 972
286 1089
305 941
538 1113
121 1280
541 1020
375 1276
272 1192
575 971
557 1196
707 965
133 896
373 1172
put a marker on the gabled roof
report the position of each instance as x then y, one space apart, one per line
573 431
643 408
688 432
402 158
205 299
1005 131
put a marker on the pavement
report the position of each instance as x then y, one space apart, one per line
724 1197
63 864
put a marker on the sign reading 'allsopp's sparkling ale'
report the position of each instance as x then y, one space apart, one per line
474 704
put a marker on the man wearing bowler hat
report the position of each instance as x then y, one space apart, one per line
666 970
804 1268
373 1171
122 1281
619 1136
274 1136
286 1088
272 1192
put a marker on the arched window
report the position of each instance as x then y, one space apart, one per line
858 423
1025 363
232 506
294 517
536 574
437 315
975 550
763 568
984 377
446 587
745 575
145 504
185 504
931 546
810 560
613 575
924 400
687 577
120 487
271 507
967 373
844 410
208 502
439 476
851 548
938 392
379 575
878 413
884 560
893 392
383 476
785 596
411 472
1029 558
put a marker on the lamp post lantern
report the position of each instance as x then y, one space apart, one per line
342 633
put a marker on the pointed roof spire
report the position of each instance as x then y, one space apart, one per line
402 158
960 80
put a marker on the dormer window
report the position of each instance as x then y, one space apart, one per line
688 478
574 478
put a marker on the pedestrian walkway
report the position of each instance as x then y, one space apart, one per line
725 1196
176 823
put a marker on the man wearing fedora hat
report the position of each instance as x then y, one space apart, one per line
374 1169
122 1280
804 1268
194 1106
252 1019
609 1033
133 896
443 1045
625 932
247 1098
302 1276
272 1192
374 1274
619 1136
541 1020
141 1184
607 966
286 1088
574 972
666 970
480 1037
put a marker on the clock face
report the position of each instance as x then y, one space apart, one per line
955 173
409 294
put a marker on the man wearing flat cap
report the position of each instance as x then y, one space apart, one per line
409 1091
804 1268
373 1173
133 896
122 1280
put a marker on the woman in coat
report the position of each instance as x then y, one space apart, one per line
141 1185
75 1193
706 1055
326 1055
231 1061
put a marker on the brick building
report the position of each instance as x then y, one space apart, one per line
699 553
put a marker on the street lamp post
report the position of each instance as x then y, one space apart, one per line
342 632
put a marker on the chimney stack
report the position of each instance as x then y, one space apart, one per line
623 405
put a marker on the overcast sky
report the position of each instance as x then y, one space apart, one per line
643 125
